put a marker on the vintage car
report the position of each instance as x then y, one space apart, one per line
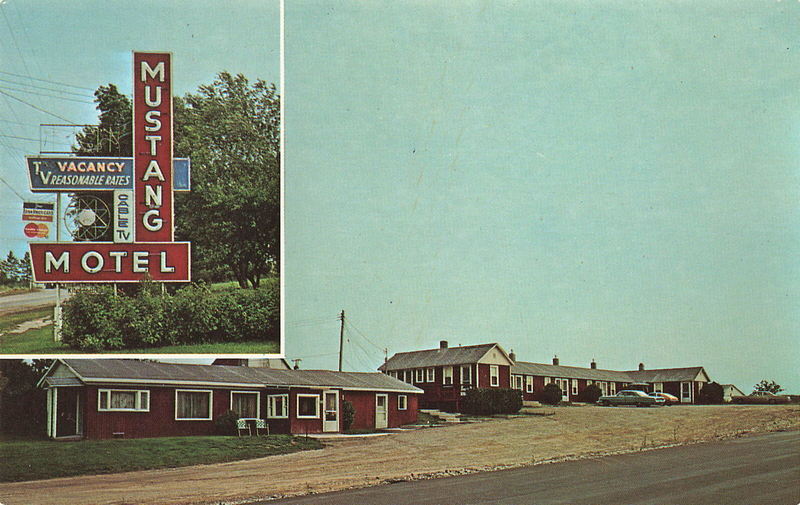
630 397
761 398
668 398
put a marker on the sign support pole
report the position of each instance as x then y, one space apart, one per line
57 309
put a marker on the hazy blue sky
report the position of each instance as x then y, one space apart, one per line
607 180
90 43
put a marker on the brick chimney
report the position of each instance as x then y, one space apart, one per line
593 365
641 366
512 356
555 360
443 344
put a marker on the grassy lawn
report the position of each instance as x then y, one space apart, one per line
44 459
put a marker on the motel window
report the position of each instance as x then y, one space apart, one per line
494 375
126 400
420 375
430 374
447 376
612 388
516 382
547 380
529 383
589 383
278 406
564 385
574 387
466 374
192 405
658 387
247 404
307 406
402 402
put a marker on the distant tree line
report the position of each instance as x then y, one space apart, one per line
15 270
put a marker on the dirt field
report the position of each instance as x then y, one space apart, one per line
572 432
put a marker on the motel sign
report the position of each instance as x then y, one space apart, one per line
143 234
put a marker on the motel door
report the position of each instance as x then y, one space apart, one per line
331 415
381 411
64 412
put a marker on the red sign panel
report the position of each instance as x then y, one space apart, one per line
152 146
109 262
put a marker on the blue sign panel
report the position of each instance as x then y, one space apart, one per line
52 175
80 174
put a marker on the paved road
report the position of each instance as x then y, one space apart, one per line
26 301
757 470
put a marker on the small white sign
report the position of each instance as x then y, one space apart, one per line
123 216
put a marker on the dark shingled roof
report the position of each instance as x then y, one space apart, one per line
569 372
666 374
437 357
119 370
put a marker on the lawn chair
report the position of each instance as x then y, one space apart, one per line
241 425
262 425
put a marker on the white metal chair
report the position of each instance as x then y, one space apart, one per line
262 425
242 425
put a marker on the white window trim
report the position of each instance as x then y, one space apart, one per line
529 383
271 406
447 373
494 376
419 375
304 395
138 401
402 405
258 402
574 386
466 367
430 374
658 387
210 404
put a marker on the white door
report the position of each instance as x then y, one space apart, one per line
686 392
381 411
330 417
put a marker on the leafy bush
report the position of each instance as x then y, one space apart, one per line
551 394
488 401
711 394
348 415
591 393
225 424
96 319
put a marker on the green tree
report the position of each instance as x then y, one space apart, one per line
551 394
768 386
711 394
9 269
112 136
230 129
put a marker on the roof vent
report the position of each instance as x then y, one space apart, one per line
593 365
443 344
555 360
641 366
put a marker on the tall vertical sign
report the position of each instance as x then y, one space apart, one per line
143 243
152 147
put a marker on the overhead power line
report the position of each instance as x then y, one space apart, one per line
45 88
35 107
45 80
37 93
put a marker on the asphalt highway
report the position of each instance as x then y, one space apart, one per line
26 301
754 470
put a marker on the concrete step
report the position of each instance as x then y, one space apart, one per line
447 417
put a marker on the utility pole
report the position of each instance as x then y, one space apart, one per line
341 339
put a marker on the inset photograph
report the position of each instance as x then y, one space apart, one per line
141 180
